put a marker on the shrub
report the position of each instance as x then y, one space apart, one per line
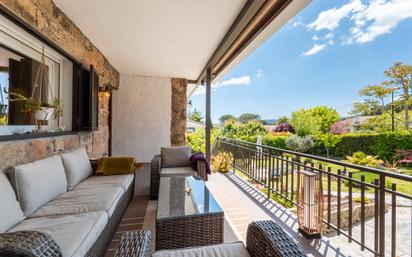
360 158
197 140
222 162
284 127
304 123
298 143
247 131
275 141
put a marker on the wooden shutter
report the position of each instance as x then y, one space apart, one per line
85 99
94 100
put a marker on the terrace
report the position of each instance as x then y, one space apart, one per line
124 72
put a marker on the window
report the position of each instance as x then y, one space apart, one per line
20 60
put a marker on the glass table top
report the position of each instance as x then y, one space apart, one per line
185 196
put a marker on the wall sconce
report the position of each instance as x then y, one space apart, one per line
310 203
106 89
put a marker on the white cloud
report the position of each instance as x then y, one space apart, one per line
315 49
329 36
238 81
297 22
331 18
370 19
245 80
259 73
379 18
315 38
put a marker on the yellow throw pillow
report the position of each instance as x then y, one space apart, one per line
115 166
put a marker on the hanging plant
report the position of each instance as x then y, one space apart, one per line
43 111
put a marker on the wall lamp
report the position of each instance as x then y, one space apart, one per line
106 89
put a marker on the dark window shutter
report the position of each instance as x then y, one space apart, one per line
94 100
85 99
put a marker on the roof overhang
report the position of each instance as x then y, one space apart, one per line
155 38
179 38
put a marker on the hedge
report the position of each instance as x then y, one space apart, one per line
383 145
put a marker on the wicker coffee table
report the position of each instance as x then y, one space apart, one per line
187 214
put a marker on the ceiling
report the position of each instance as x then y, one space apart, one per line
154 38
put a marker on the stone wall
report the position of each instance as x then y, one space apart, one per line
179 103
45 17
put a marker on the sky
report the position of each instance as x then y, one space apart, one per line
323 56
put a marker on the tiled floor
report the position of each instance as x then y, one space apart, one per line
242 204
135 214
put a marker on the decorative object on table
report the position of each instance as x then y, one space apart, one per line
42 110
200 157
222 162
115 166
310 202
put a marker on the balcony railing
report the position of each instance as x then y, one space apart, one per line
353 195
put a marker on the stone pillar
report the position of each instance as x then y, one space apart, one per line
179 104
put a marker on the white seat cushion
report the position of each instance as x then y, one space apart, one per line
38 182
82 201
77 166
11 213
236 249
99 182
75 234
177 171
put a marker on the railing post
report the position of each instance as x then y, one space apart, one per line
382 215
269 176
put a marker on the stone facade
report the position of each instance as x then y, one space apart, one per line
178 120
45 17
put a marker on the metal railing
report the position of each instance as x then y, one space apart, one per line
353 194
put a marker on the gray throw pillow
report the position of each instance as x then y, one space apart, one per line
11 213
176 156
77 166
38 182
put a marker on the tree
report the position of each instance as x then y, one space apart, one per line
324 116
367 107
376 91
246 117
400 77
195 115
283 119
225 118
329 141
283 127
304 123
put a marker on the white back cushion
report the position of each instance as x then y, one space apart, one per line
77 166
38 182
11 213
176 156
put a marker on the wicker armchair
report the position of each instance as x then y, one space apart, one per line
264 239
28 244
157 171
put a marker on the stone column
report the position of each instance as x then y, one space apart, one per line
179 104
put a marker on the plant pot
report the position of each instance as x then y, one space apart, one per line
45 113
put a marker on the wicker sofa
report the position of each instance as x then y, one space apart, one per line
173 161
58 207
264 239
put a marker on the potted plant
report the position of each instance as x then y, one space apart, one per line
42 110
